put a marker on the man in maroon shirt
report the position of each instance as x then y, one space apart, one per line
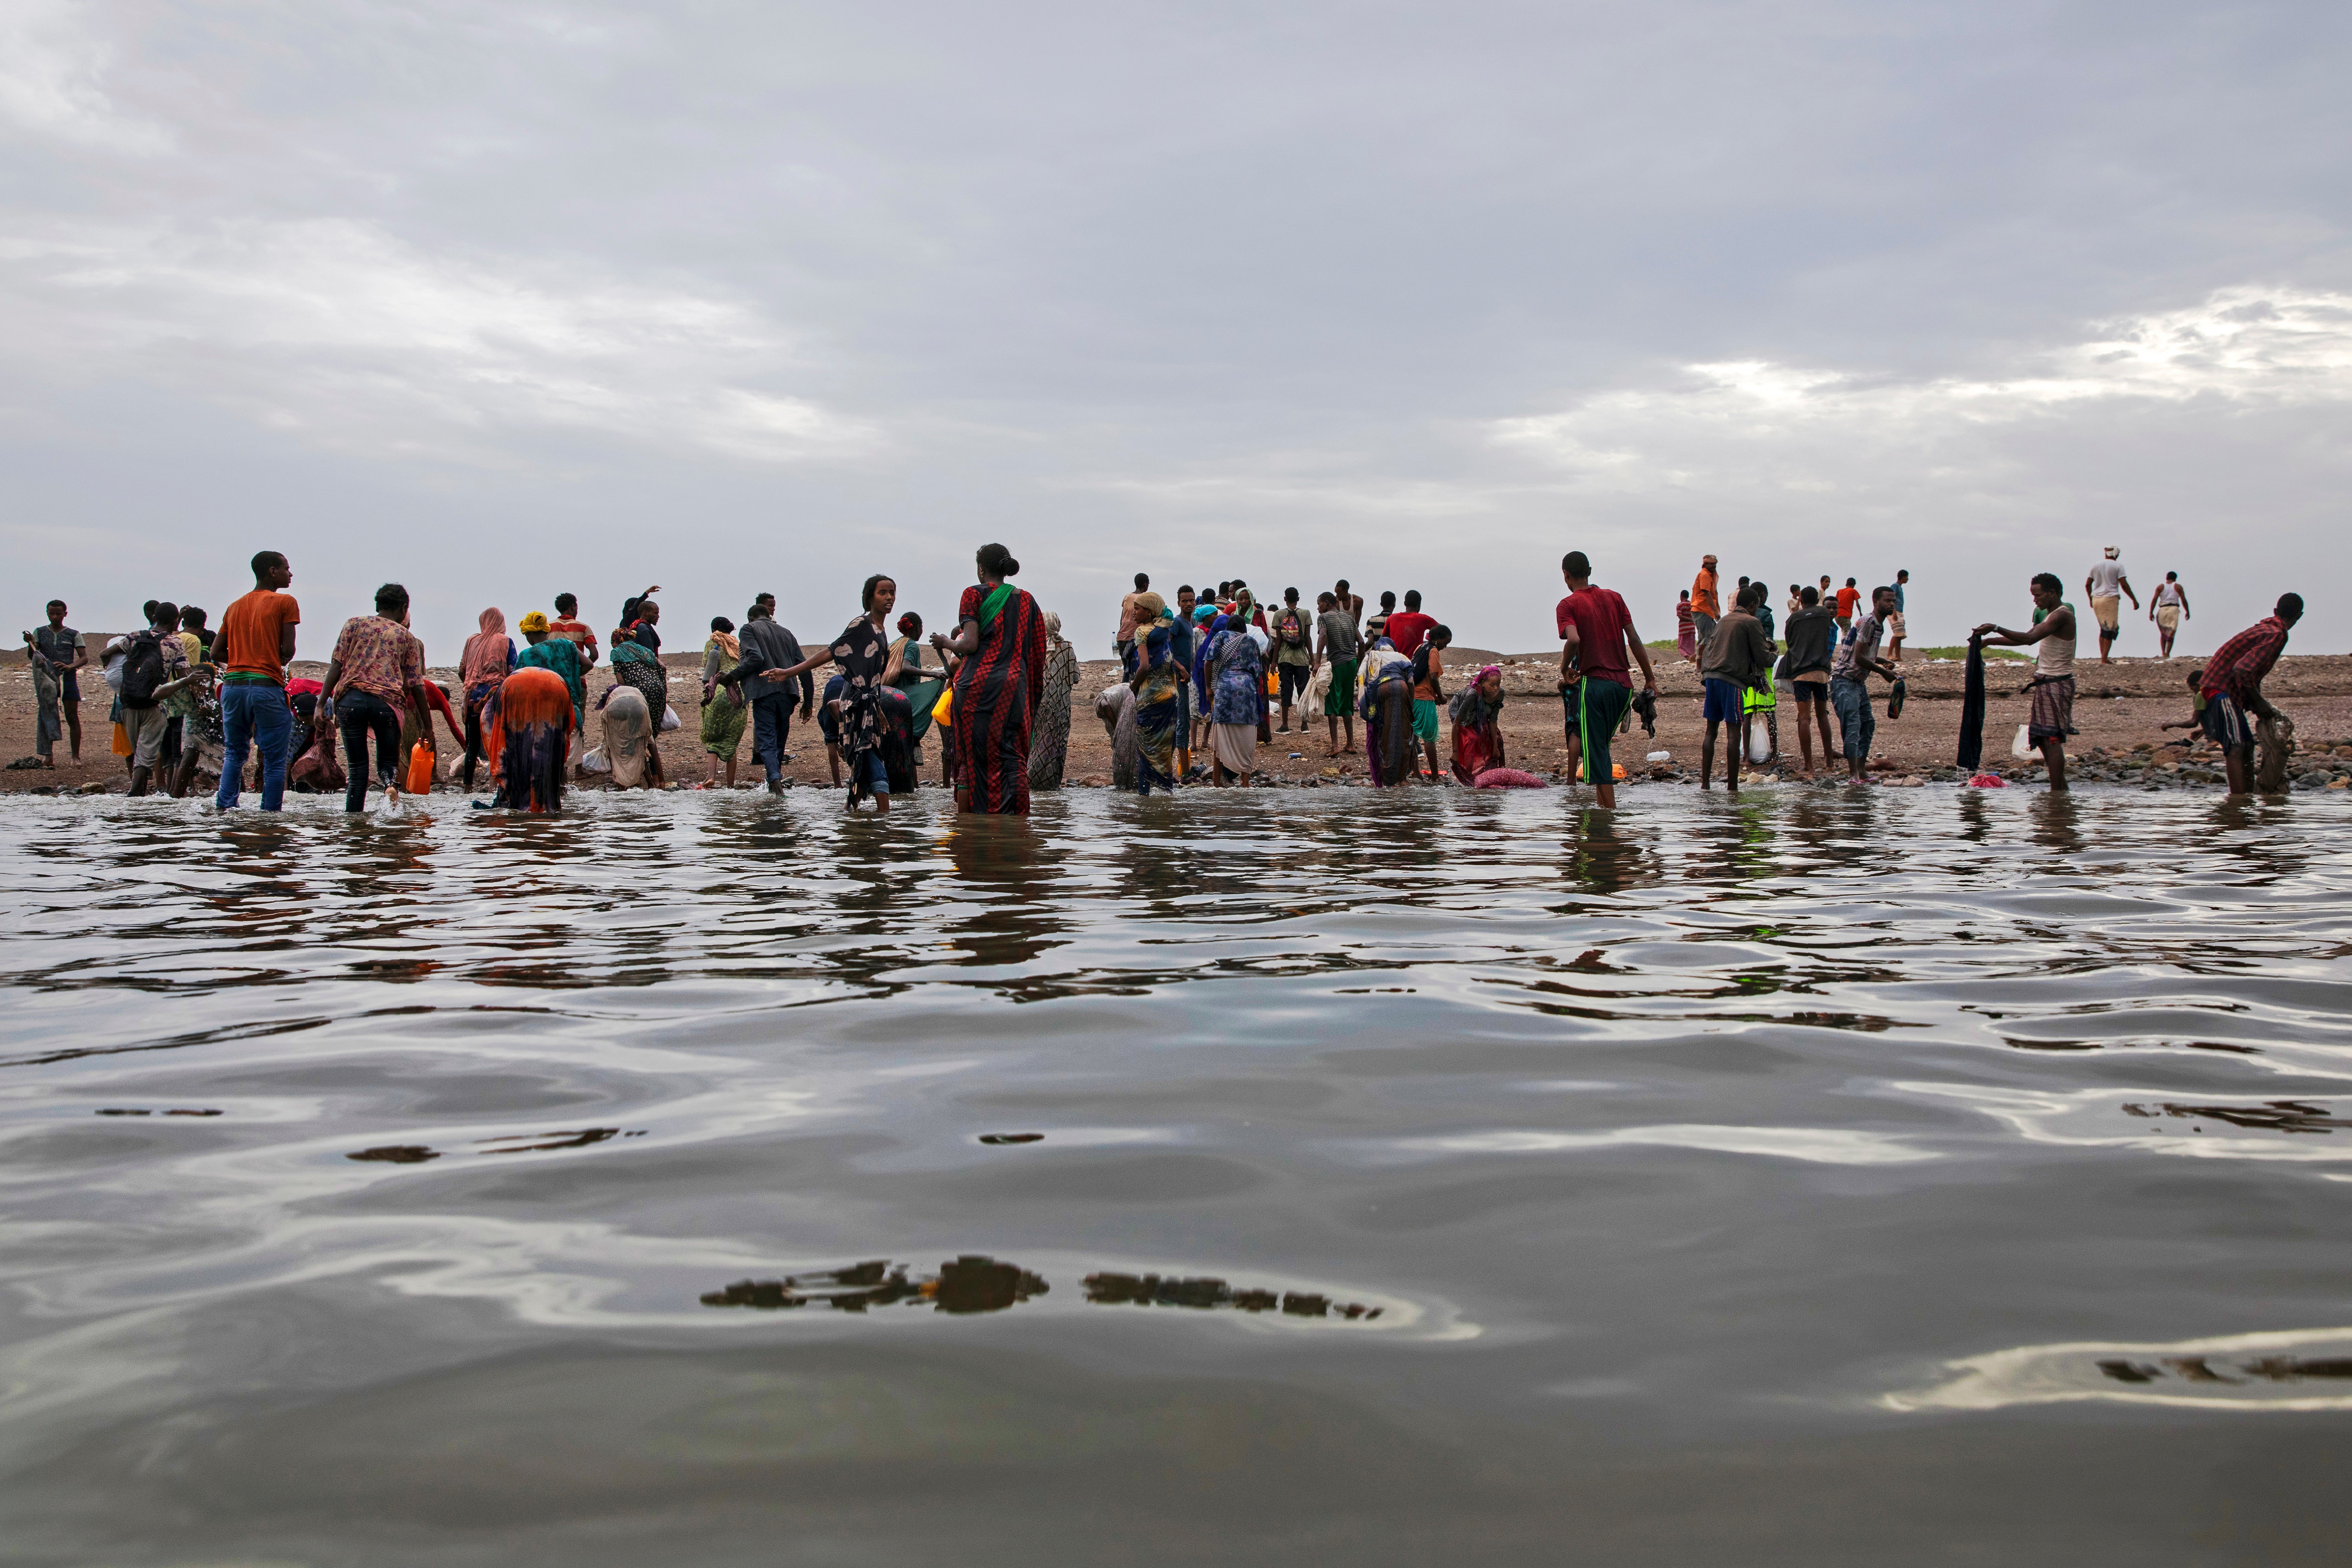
1598 648
2234 688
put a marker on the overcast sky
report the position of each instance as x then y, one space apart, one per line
505 300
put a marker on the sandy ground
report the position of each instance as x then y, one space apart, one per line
2119 709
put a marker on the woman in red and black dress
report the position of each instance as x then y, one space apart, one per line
1000 637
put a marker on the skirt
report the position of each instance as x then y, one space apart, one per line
534 710
1235 747
722 726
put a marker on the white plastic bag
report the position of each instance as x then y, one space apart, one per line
593 760
1759 743
670 718
2023 746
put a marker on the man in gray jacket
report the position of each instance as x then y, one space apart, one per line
767 645
1738 659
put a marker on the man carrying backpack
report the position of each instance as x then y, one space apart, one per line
153 659
1294 654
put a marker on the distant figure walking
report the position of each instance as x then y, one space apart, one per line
2107 587
2167 607
1706 608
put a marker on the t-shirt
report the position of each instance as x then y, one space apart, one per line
1602 621
1407 628
1340 640
247 647
1847 599
58 643
1703 599
1862 644
1303 652
2107 580
1898 598
576 633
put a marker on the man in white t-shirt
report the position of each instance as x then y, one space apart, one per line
2107 587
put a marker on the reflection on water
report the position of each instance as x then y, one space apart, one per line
1449 1145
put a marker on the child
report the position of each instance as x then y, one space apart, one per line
1428 665
2196 719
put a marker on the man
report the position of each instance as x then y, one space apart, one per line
1125 640
59 654
1409 625
2107 586
1849 673
1352 603
1179 648
2234 688
2053 686
1293 656
1848 597
255 645
1738 659
768 646
1706 607
1895 628
2167 607
1339 644
153 661
1596 684
375 679
1813 646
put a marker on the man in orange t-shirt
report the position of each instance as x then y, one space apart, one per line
255 645
1706 608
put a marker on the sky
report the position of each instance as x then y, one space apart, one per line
500 301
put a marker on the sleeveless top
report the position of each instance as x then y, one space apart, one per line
2054 658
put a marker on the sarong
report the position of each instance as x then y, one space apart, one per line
534 708
722 725
2168 618
1235 747
628 736
2053 717
2108 614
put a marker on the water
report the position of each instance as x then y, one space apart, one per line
1310 1177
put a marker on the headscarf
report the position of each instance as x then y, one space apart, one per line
1470 706
729 645
1053 627
632 652
1204 611
1148 607
532 621
487 650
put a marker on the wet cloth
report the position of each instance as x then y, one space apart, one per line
535 708
997 692
49 699
2052 714
1049 745
1157 712
628 735
1972 708
634 666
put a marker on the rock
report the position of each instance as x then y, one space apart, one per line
96 786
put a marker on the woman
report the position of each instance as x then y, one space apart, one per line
1237 700
1049 748
1001 639
1207 622
1157 713
534 707
635 668
639 617
629 736
1477 710
722 708
923 690
1386 709
488 658
545 649
873 720
1685 629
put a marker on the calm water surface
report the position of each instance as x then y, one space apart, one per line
1900 1176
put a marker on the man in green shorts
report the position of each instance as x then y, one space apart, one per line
1598 648
1340 645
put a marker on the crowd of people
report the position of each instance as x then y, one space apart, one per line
1206 675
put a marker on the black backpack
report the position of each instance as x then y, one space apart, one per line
142 671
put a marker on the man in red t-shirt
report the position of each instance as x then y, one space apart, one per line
1598 648
1408 626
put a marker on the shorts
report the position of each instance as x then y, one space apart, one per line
2052 715
1292 679
2224 723
1723 702
69 689
1595 708
1425 719
2108 613
1812 683
1340 701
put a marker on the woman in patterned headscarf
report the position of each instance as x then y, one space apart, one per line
489 658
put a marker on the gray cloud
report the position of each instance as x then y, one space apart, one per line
1418 296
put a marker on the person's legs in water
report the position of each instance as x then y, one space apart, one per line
1859 724
1424 730
357 714
1572 700
1725 711
1601 705
767 725
877 781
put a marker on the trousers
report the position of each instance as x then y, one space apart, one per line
254 713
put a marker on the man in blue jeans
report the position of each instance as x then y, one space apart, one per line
255 645
1848 673
767 645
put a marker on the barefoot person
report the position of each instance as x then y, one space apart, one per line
255 645
1813 644
57 656
2053 686
1596 681
1737 658
1428 691
2107 587
1340 645
2232 687
1895 629
376 672
2167 607
1849 673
